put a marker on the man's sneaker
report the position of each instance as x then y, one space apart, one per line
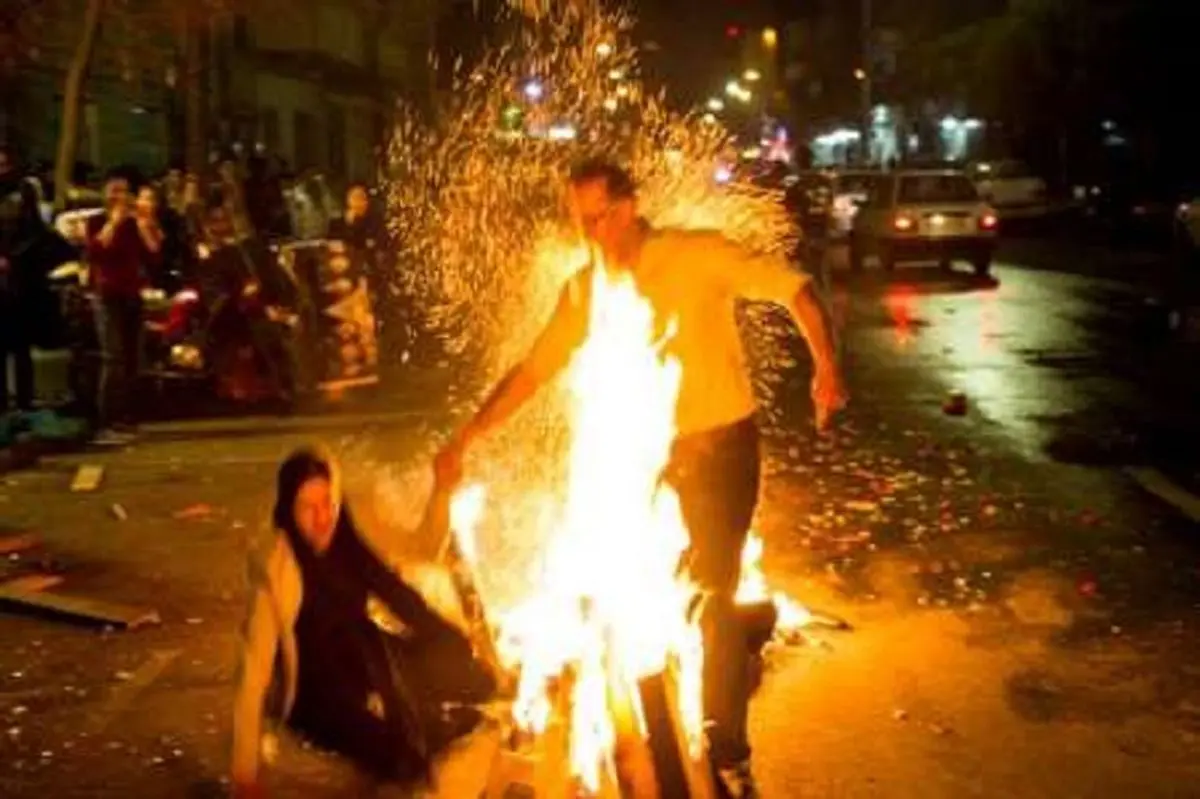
737 781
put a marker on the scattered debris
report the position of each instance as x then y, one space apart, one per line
955 404
31 583
16 544
87 478
200 510
79 609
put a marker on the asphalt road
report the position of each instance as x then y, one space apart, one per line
1025 611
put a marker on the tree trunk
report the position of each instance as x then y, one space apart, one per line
195 125
68 134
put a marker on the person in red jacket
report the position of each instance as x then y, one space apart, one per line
123 246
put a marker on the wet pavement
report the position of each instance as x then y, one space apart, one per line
1025 611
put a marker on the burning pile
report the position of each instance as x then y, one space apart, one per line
600 633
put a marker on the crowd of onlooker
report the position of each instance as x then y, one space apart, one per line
133 234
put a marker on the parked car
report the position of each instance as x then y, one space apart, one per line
1009 186
924 215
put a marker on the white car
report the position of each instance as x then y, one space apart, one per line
1009 186
924 215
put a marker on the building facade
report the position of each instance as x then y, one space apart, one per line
311 81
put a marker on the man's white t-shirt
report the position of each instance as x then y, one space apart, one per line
692 278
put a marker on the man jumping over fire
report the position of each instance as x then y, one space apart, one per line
694 279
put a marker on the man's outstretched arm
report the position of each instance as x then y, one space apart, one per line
552 351
770 278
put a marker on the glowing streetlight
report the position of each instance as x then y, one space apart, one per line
711 119
616 74
751 76
604 49
860 74
770 38
716 104
733 88
534 90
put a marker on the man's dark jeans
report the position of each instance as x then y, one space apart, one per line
15 335
716 476
119 329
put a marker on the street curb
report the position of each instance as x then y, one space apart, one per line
20 455
268 424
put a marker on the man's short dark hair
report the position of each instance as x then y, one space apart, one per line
131 175
617 181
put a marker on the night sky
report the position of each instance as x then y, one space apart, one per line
693 59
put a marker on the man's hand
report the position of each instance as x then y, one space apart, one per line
829 395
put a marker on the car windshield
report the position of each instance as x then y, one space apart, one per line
937 189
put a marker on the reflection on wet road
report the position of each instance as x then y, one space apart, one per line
1035 353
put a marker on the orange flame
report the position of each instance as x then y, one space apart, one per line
609 607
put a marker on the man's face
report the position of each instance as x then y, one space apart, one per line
116 193
605 223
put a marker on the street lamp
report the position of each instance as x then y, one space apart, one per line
860 74
751 76
733 88
770 38
604 49
716 104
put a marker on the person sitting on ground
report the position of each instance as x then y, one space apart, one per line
381 699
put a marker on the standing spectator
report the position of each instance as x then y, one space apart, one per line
123 246
359 226
361 229
175 262
20 229
229 178
265 201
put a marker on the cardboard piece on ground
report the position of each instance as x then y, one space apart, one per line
87 478
81 609
31 583
10 545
